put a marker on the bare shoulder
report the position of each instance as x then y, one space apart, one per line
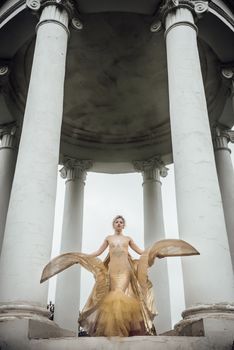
129 238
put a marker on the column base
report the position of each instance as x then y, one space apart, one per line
207 320
13 310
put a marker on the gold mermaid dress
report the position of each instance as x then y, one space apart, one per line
121 302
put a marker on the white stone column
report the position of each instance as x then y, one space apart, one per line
154 230
67 300
226 180
29 227
208 278
7 169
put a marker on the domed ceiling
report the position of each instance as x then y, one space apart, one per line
116 104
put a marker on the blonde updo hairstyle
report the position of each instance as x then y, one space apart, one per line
118 217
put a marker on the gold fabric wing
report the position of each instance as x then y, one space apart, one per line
170 247
92 264
160 249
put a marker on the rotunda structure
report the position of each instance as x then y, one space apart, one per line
116 87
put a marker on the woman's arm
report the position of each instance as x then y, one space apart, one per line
134 247
101 249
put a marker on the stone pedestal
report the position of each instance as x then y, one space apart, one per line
17 334
7 169
29 335
29 227
154 231
67 300
199 206
226 180
207 320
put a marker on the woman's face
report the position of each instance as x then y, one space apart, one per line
118 224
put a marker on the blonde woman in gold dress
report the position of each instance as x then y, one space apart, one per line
119 313
122 301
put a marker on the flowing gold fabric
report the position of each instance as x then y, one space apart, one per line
120 313
121 302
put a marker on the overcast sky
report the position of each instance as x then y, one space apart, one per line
109 195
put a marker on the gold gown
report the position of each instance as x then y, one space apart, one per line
121 302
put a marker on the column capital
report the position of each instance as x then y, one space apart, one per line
151 169
59 12
75 169
173 5
67 5
4 70
36 5
4 73
197 7
228 73
222 137
7 135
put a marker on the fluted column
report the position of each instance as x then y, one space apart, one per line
208 278
29 227
151 171
154 230
226 180
67 300
7 168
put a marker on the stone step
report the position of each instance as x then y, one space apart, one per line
32 334
117 343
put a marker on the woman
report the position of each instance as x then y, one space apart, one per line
121 302
120 310
119 267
